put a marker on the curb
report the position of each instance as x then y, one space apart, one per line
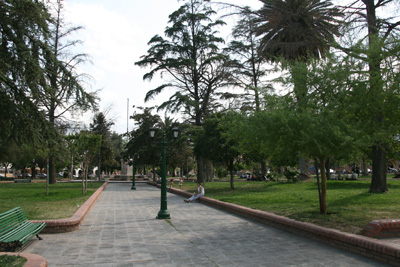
382 228
72 223
362 245
33 260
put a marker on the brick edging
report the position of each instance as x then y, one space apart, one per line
72 223
382 228
33 260
363 245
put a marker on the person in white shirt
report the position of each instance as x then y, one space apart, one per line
200 193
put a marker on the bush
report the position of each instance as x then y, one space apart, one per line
222 172
271 176
291 175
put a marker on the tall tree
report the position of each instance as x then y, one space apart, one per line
378 48
191 57
296 31
248 65
250 72
24 32
62 87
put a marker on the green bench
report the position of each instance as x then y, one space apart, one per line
16 229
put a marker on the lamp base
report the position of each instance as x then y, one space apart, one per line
163 214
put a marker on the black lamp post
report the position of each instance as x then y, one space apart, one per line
164 213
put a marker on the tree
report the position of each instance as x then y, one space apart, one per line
248 65
296 31
118 148
191 57
88 147
101 126
61 87
140 143
72 142
213 142
24 32
377 89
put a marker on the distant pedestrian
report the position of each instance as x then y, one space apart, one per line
180 183
200 193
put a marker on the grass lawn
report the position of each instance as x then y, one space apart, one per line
349 204
63 199
12 261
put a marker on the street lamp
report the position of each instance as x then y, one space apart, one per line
164 213
133 172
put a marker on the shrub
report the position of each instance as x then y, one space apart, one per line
291 174
222 172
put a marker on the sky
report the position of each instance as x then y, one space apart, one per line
115 36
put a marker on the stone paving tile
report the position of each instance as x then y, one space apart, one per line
121 230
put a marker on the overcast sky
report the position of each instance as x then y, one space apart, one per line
115 36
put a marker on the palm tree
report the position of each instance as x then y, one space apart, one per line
297 31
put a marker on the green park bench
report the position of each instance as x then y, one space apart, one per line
16 229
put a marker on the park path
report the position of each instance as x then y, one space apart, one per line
121 230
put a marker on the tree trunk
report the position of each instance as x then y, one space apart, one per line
378 183
319 185
200 172
209 171
99 167
205 170
304 172
364 167
263 168
323 187
328 169
231 172
83 180
52 169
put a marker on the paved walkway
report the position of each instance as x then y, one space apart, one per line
121 230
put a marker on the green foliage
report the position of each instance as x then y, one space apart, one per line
221 172
23 31
247 65
101 126
39 81
140 142
191 57
211 141
291 174
297 30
